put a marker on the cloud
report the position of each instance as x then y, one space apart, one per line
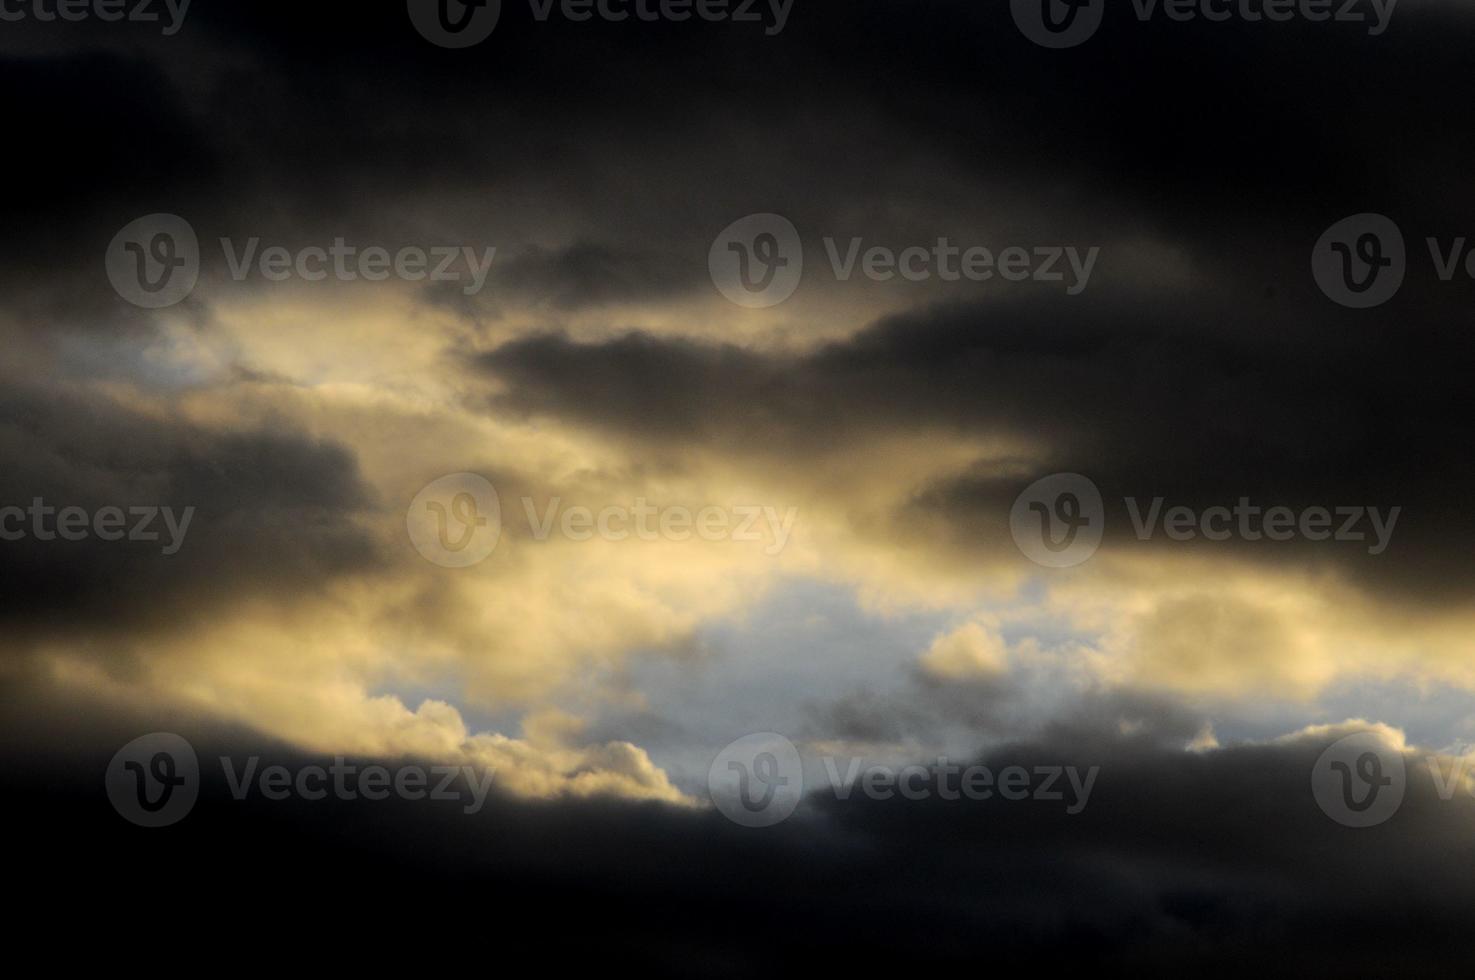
1179 859
973 650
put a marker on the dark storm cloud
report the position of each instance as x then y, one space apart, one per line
269 514
1162 399
1232 145
581 276
1237 143
1211 864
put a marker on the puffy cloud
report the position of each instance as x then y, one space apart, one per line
973 650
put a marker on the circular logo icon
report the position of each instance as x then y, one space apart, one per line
757 781
154 780
456 521
1058 24
757 261
455 23
1359 780
1360 262
154 262
1058 522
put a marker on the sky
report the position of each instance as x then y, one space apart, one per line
723 428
